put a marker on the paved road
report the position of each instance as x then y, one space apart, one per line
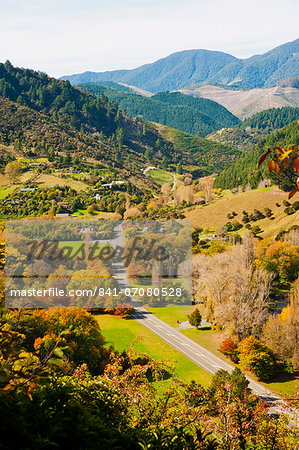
195 352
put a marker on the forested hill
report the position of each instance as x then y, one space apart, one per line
196 66
245 169
58 99
46 114
251 130
43 116
271 119
189 114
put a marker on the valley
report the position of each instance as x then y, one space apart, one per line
108 154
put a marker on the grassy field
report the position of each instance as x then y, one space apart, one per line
52 180
171 314
78 176
98 214
160 176
214 215
5 191
121 333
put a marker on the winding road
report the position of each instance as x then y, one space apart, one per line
195 352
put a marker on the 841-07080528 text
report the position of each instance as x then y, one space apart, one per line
98 291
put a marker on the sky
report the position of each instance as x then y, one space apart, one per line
63 37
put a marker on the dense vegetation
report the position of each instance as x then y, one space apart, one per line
41 116
237 138
193 66
204 157
245 169
271 119
67 389
189 114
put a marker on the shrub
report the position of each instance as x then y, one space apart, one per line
256 230
195 318
229 348
124 310
235 383
289 210
77 330
268 212
236 225
256 357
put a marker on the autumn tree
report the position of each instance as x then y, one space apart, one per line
13 172
256 357
235 294
205 185
281 332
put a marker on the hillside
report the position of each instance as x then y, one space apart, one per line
271 119
238 138
195 66
244 103
42 116
245 169
203 157
214 215
251 130
192 115
25 132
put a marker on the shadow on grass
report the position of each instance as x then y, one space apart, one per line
283 377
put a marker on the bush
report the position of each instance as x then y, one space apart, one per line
195 318
235 382
77 330
124 310
236 225
256 230
229 348
289 210
268 212
256 357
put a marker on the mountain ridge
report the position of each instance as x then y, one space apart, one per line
183 68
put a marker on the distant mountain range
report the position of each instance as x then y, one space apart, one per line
188 67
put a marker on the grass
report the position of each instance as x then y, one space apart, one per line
52 180
171 314
97 214
5 191
160 176
121 333
208 338
211 340
285 386
215 214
